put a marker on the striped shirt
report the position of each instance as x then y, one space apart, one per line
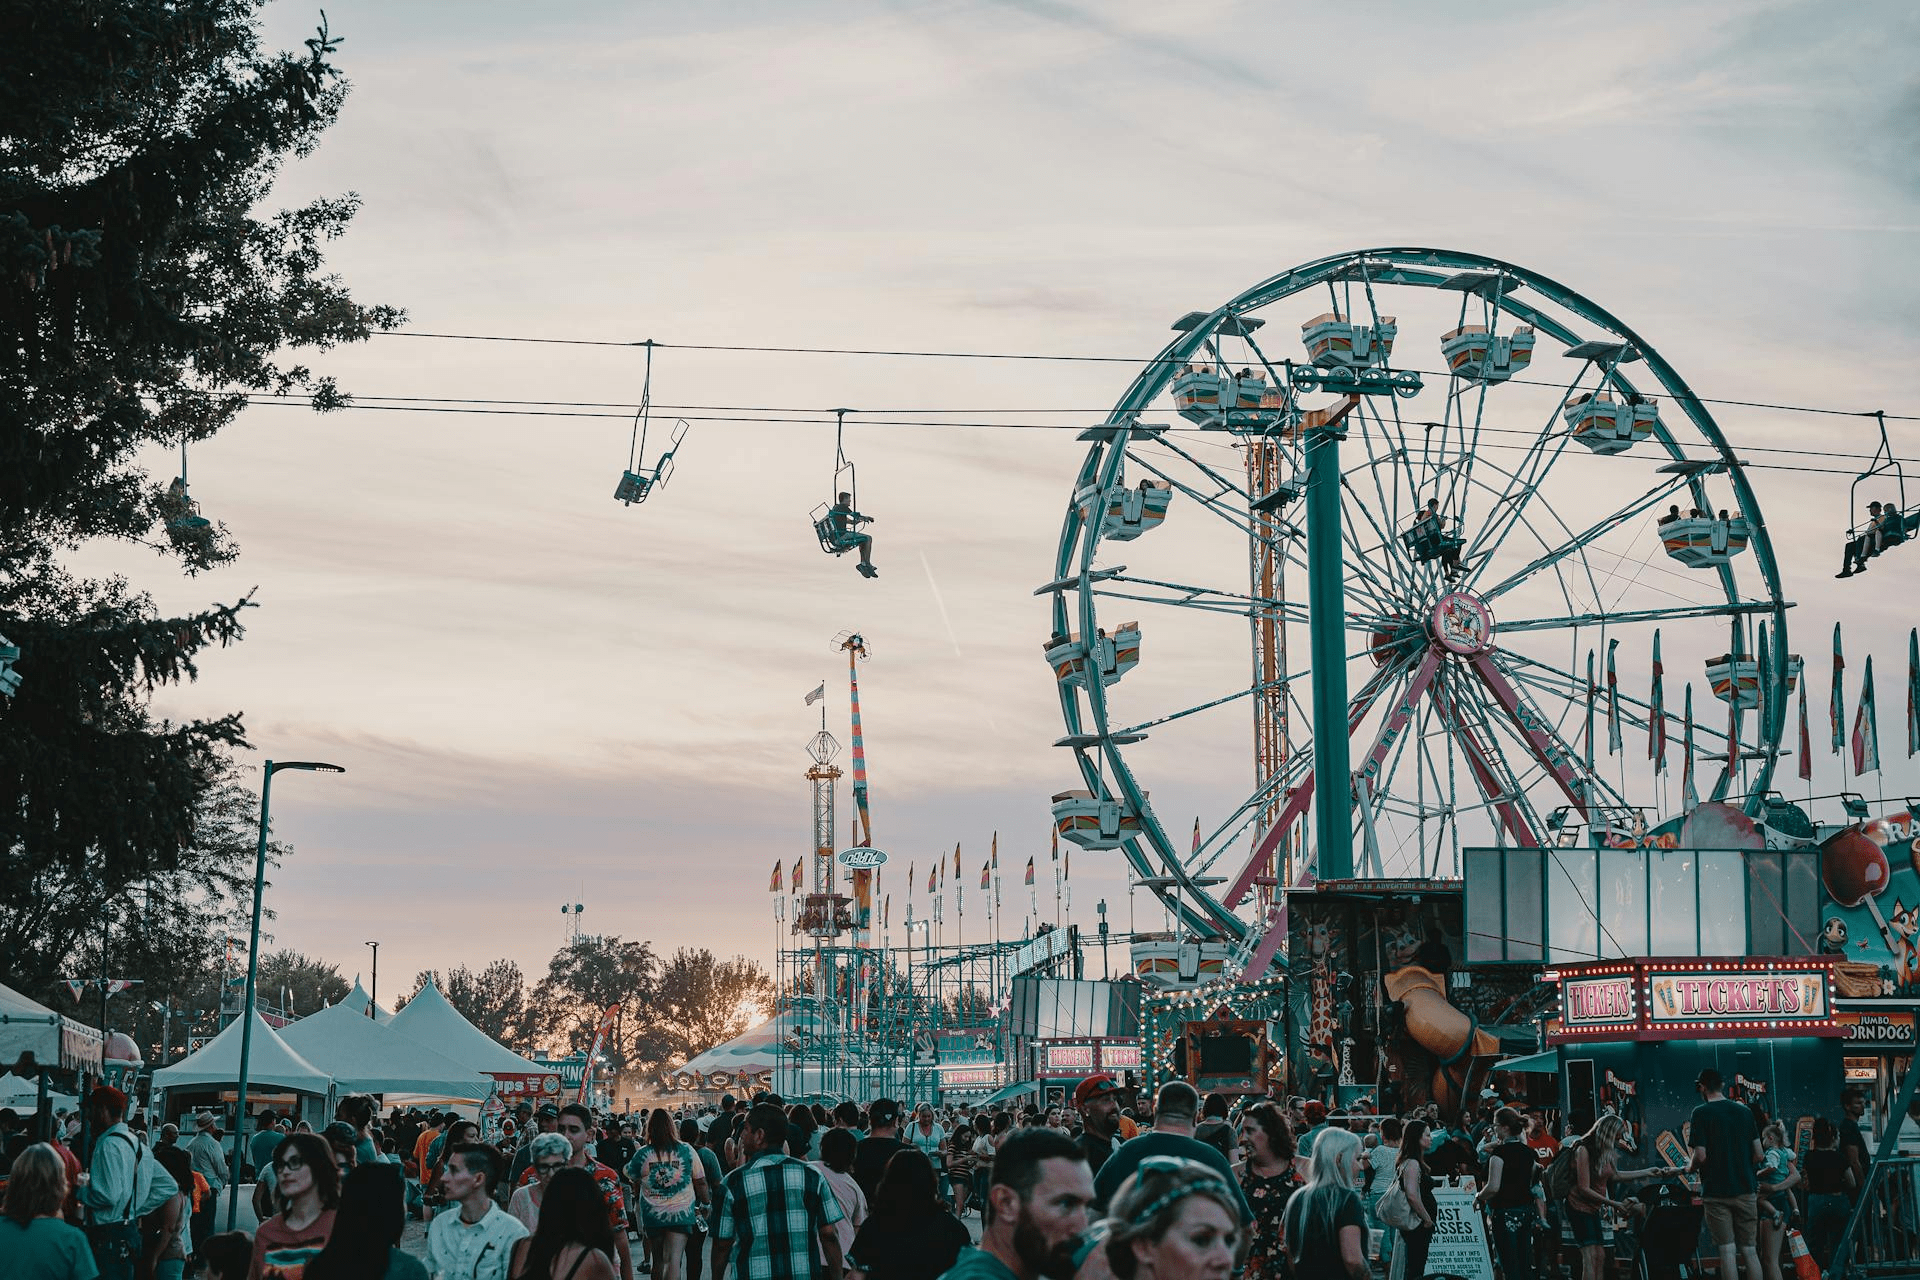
775 1209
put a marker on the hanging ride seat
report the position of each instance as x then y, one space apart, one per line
1213 397
1736 681
1472 352
1428 540
1702 542
1333 343
1113 655
9 678
835 539
1129 511
1093 822
1606 425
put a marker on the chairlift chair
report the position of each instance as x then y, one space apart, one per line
186 527
639 481
839 534
1896 523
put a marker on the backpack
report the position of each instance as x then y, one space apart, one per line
1558 1178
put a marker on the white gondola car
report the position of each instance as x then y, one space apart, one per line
1702 542
1113 655
1606 425
1472 352
1333 343
1168 964
1196 392
1093 822
1739 678
1127 511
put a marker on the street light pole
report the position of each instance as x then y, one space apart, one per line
253 971
373 997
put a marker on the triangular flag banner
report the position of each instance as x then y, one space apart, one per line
1913 692
1066 865
931 886
1657 717
773 885
1866 726
996 851
796 874
1837 699
956 859
1029 871
886 909
1806 738
1196 835
76 988
1055 851
1689 794
986 875
1613 702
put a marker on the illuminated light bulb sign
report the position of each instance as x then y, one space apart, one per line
1695 999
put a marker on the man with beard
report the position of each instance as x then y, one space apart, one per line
1097 1098
1174 1113
1037 1203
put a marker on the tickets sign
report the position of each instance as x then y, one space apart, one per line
1711 998
1589 1002
1736 997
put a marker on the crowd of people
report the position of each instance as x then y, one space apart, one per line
1175 1187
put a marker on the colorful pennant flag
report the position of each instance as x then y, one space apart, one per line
1056 844
1066 865
986 875
1689 795
1196 836
1029 872
1837 700
886 909
1806 738
76 988
1593 691
1866 726
1913 692
1614 745
996 851
1657 717
956 859
796 874
773 885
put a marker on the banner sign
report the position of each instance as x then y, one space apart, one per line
593 1054
861 858
1120 1057
1706 999
1877 1030
1068 1057
532 1086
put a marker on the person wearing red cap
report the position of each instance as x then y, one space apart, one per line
1315 1112
1097 1099
122 1183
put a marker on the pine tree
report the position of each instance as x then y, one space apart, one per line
146 294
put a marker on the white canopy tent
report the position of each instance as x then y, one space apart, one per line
272 1064
366 1056
429 1020
358 1000
54 1040
24 1095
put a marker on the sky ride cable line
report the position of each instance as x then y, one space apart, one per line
1040 357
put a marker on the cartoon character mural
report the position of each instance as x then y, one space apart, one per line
1871 874
1373 1005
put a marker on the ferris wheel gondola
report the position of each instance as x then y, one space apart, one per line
1477 561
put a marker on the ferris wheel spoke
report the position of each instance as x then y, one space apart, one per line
1291 611
1469 718
1536 732
1211 502
1400 572
1579 541
1227 485
1252 691
1669 614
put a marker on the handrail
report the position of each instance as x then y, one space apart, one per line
1885 1163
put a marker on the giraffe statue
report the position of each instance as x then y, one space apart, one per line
1323 1028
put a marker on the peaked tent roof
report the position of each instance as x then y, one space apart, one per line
753 1050
358 1000
365 1056
272 1062
431 1021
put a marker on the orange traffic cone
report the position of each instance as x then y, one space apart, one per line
1804 1267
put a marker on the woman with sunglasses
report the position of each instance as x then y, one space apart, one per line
574 1240
1174 1219
548 1156
307 1187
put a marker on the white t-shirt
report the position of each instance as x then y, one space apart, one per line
483 1250
927 1142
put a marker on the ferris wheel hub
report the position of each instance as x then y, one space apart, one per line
1461 623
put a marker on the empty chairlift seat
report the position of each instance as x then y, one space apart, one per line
1127 511
1736 681
1472 352
1702 542
1093 822
1333 343
1112 654
1606 425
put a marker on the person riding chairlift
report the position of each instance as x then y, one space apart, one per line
1871 542
1449 552
845 530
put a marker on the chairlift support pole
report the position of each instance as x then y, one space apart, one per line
1327 625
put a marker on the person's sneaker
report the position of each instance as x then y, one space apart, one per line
866 570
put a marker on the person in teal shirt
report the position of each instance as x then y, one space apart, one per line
1037 1209
34 1243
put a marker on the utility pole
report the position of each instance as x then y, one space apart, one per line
1102 909
373 997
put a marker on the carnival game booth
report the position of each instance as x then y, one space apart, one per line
740 1065
39 1047
429 1020
277 1077
1633 1035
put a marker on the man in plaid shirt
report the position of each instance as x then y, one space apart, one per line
778 1209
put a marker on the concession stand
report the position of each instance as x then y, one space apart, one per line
1633 1035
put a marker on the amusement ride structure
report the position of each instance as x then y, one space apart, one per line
1470 542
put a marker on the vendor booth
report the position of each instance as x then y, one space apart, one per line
1632 1035
277 1077
46 1051
366 1056
429 1020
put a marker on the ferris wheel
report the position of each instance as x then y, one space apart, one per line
1428 555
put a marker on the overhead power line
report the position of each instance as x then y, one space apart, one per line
1044 357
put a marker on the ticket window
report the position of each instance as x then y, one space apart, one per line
1583 1097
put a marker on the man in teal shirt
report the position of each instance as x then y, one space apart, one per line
1036 1212
1175 1110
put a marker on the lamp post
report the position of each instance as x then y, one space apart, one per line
373 997
253 970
